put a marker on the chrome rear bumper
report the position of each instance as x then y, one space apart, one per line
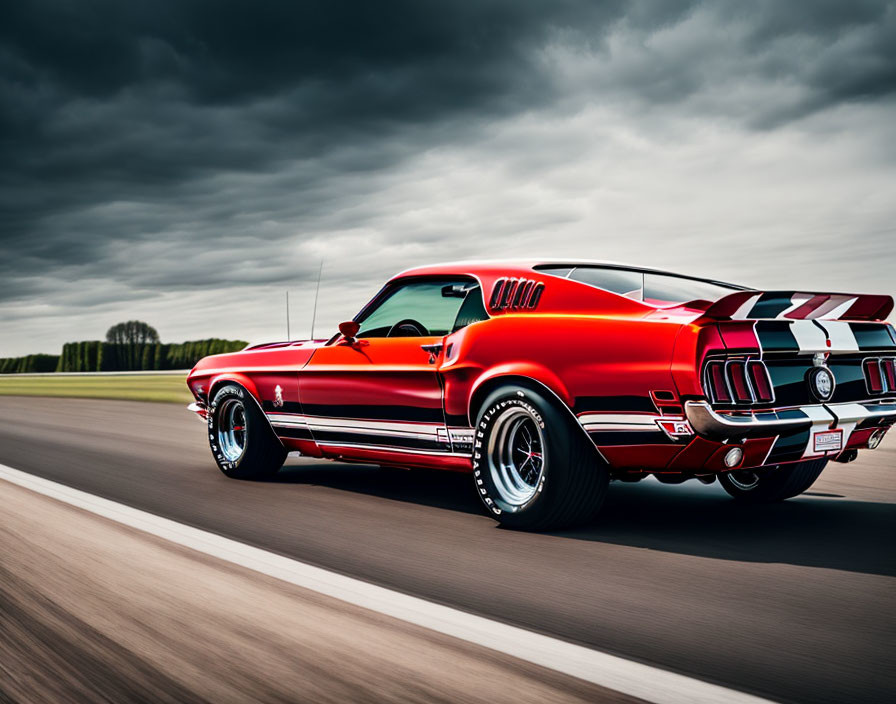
762 424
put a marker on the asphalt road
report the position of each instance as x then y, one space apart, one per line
94 611
792 601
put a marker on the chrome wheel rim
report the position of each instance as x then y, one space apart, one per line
745 480
232 429
516 456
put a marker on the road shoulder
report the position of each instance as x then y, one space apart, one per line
92 609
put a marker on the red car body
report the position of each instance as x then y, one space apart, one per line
662 387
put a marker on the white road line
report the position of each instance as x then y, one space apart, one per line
631 678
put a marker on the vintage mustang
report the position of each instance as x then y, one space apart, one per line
546 380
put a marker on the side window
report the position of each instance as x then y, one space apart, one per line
625 283
421 309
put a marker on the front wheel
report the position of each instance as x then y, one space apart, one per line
242 442
533 468
774 484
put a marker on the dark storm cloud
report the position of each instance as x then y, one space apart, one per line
137 103
154 144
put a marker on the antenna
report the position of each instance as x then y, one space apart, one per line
316 292
288 336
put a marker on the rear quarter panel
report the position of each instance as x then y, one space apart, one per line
592 363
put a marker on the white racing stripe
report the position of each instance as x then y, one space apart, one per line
631 678
594 422
841 309
645 419
795 302
743 312
841 336
821 420
808 336
413 428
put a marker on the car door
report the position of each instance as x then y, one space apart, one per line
381 392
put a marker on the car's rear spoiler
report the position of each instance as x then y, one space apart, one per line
800 305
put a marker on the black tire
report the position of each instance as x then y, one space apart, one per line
772 484
566 488
253 452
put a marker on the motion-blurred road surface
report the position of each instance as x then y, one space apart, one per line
792 601
94 611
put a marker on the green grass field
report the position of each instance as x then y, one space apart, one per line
169 387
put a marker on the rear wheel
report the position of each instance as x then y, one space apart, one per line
534 469
774 484
242 442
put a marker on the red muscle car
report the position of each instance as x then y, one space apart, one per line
546 380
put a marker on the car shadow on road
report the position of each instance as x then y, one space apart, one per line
819 530
445 490
811 530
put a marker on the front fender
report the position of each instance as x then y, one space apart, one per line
237 378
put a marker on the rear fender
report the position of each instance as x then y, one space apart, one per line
533 372
525 374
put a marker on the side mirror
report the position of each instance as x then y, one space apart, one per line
349 329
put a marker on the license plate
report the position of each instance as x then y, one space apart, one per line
828 440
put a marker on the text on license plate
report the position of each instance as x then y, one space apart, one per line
828 440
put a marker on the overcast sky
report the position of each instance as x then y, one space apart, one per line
186 162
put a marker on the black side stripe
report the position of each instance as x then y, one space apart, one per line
603 438
375 412
336 437
287 407
457 421
295 433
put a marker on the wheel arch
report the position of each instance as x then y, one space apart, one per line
248 386
559 397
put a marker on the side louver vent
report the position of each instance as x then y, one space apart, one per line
516 294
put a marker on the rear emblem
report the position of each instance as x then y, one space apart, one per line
821 383
278 397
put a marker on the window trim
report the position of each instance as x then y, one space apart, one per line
546 269
390 286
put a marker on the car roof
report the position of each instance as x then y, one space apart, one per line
520 267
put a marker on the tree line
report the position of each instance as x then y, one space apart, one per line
96 356
30 363
130 346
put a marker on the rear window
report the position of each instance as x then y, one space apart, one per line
656 289
625 283
661 288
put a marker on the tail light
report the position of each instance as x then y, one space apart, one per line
760 381
880 375
888 367
716 386
738 381
737 376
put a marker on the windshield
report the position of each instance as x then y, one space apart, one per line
653 288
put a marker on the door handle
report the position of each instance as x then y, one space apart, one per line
434 350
